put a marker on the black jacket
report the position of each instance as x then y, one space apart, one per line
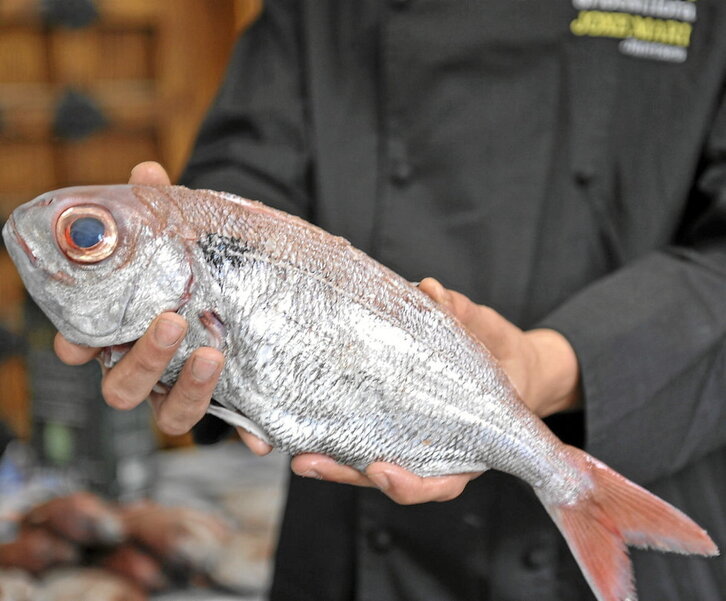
529 155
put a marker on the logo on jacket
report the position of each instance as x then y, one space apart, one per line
654 29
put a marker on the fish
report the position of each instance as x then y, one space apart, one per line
81 517
88 584
184 538
35 550
327 351
16 585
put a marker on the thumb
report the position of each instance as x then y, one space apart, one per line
149 173
496 332
459 305
436 291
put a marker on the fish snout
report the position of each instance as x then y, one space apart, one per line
13 239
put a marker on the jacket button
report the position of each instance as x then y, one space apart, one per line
401 172
380 539
583 177
472 520
536 558
399 166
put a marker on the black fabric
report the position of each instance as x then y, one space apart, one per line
541 171
10 344
210 429
6 436
324 529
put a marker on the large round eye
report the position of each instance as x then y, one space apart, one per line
86 234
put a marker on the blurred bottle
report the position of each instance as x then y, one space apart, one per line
73 430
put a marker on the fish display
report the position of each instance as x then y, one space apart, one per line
128 551
327 351
82 518
88 584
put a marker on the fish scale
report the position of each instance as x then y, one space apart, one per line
327 351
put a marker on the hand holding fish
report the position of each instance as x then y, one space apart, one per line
540 363
133 379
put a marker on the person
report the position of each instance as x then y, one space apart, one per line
563 164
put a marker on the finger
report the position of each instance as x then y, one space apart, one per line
467 311
150 173
322 467
131 380
187 401
256 445
406 488
73 354
434 289
499 334
458 304
482 321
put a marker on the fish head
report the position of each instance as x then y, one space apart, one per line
101 261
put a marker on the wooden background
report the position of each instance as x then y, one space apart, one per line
88 89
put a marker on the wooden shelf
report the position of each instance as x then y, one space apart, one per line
145 69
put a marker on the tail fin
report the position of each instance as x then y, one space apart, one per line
617 513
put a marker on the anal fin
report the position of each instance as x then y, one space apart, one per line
237 419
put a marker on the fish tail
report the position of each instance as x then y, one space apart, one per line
616 513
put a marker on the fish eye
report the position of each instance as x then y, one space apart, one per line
86 234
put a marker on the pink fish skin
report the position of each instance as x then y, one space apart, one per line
327 351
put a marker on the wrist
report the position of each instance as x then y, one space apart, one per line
555 374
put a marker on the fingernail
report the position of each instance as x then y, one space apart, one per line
203 369
167 333
311 474
380 479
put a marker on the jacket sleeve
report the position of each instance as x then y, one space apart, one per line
253 140
651 341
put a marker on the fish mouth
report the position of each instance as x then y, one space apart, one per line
35 274
60 276
21 241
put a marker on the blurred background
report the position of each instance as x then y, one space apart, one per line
89 88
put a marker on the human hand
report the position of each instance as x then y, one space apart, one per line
132 380
541 365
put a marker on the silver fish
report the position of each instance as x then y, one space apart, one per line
327 351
